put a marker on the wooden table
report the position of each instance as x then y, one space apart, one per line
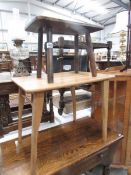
36 87
70 149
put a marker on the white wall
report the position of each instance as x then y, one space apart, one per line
35 8
6 18
108 35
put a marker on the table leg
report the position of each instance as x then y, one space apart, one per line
74 102
105 97
21 106
37 107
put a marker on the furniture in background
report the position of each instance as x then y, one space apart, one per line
59 62
9 95
5 66
102 65
9 112
122 116
68 58
119 112
5 61
107 46
6 87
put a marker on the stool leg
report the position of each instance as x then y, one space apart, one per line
106 170
61 102
21 105
74 102
51 107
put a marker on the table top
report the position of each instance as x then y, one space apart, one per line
32 84
60 26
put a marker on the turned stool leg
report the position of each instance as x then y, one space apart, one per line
106 170
51 107
61 102
73 102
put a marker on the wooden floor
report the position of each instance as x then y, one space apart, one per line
57 148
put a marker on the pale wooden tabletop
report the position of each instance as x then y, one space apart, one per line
61 80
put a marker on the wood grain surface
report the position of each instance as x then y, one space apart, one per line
32 84
59 147
119 112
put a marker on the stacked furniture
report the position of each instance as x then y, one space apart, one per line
82 152
84 99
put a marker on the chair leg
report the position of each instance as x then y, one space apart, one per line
106 170
61 102
74 102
